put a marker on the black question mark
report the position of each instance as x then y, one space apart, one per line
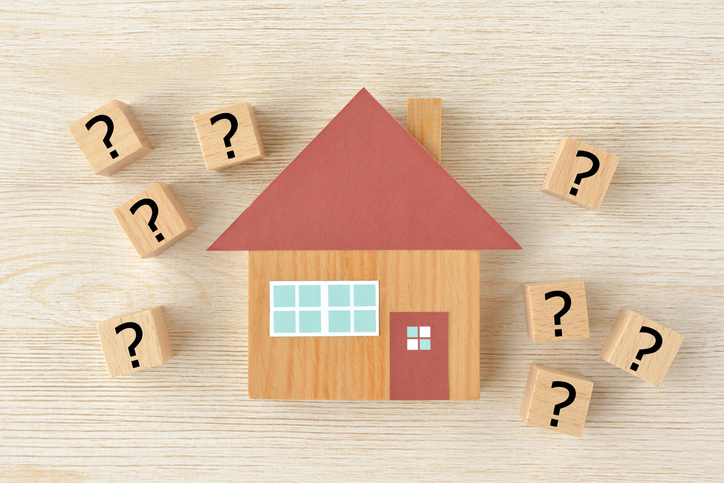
566 307
571 397
234 125
109 125
658 340
581 176
136 341
154 213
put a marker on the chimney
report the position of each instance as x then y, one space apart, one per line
424 122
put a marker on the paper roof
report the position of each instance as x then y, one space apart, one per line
364 183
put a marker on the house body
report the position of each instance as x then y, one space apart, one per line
364 273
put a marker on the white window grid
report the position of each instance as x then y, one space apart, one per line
423 333
325 308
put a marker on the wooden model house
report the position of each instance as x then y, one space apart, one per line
364 276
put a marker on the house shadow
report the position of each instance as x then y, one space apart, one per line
501 305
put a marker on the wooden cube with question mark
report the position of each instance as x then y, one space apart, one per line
135 342
110 138
580 173
557 400
556 310
641 347
154 220
229 136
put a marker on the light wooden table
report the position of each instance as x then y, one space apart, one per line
642 80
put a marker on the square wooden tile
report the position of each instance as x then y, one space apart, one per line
110 138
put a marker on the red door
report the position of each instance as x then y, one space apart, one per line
418 355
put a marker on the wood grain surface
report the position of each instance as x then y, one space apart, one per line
424 122
359 367
629 335
550 316
568 175
542 397
245 138
151 235
640 79
152 349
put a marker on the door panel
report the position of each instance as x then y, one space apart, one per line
419 355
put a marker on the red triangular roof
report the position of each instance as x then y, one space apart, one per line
364 183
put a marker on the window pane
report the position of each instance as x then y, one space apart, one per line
412 332
364 296
339 321
284 322
339 295
310 296
310 321
284 296
424 344
365 321
425 331
324 308
411 344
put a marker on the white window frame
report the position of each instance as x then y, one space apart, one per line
325 308
416 346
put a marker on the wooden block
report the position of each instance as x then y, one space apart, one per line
359 367
580 173
154 220
110 138
556 310
556 400
424 122
641 347
135 342
229 136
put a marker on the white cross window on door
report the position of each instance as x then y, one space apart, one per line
418 338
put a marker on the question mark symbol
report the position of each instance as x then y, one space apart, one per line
581 176
571 397
566 307
154 213
658 340
109 131
136 341
234 125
